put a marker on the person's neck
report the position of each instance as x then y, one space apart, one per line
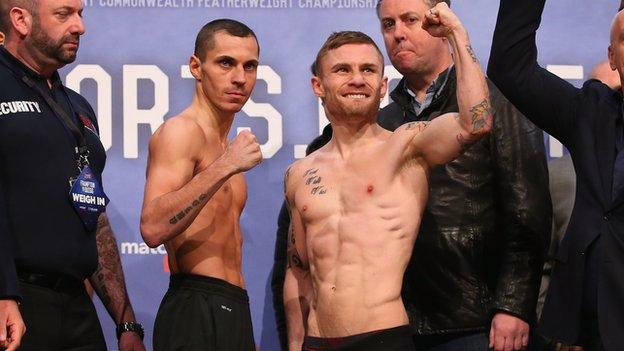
210 118
419 82
31 60
349 133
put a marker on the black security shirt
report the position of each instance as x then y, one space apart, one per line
39 228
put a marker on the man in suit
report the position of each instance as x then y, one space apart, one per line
585 301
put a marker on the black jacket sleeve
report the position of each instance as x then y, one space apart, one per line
8 277
523 210
540 95
279 272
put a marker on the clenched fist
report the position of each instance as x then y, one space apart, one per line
440 21
243 152
12 326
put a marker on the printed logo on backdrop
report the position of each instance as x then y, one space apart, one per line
141 249
235 4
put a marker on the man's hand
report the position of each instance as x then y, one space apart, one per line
440 21
12 326
129 341
243 152
508 333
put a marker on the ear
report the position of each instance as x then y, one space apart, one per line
611 55
317 87
21 20
195 67
384 86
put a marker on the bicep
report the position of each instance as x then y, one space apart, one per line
441 141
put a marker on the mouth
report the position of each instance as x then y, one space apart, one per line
355 96
73 44
236 94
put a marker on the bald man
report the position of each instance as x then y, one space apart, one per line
585 302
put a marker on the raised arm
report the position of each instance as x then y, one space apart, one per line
175 192
547 100
297 282
444 138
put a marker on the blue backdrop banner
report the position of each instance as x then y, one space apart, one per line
132 67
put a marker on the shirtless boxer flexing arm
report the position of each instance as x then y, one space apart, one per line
353 201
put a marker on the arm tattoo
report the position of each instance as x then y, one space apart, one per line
108 279
471 53
314 181
481 115
294 260
184 212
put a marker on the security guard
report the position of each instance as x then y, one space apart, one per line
53 228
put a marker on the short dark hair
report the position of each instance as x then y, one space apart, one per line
205 37
7 5
621 6
338 39
431 3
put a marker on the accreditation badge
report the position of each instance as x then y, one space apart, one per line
88 198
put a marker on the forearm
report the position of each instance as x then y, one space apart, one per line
296 309
475 114
168 215
108 280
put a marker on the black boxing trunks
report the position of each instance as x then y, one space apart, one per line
393 339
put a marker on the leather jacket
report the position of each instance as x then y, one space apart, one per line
486 227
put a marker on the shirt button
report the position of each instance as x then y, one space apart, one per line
581 253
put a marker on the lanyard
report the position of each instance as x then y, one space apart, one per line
77 132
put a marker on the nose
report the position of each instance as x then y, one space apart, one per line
77 25
239 77
399 32
357 80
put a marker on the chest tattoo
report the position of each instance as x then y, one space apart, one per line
314 181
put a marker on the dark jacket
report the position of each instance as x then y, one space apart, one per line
586 121
485 229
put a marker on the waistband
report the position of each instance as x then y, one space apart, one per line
55 281
208 284
316 343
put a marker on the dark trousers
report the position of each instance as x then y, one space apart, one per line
59 320
453 342
203 313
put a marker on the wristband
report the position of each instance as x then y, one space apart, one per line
130 327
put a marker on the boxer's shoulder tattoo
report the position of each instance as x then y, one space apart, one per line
419 126
314 181
182 213
286 176
471 53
